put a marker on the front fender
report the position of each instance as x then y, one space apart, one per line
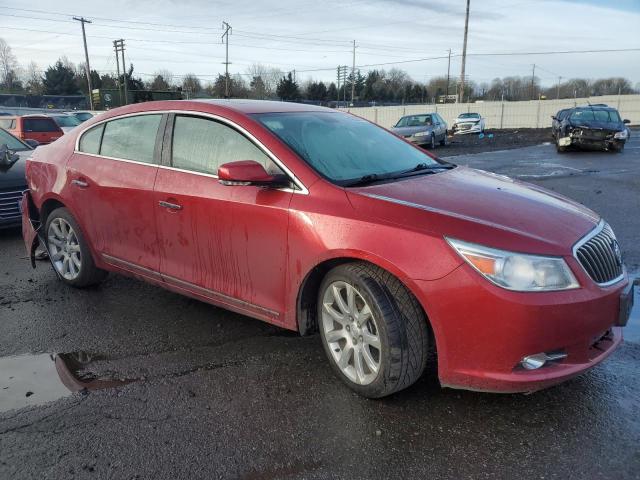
31 226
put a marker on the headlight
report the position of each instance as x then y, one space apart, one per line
622 135
421 134
517 271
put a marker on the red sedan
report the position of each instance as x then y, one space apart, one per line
317 220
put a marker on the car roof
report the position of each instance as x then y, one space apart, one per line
419 114
596 107
258 106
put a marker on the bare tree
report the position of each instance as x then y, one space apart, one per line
32 79
191 85
8 65
269 78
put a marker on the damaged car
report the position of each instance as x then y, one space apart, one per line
594 127
468 123
316 220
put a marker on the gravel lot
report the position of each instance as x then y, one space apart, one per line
218 395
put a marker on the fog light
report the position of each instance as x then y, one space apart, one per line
533 362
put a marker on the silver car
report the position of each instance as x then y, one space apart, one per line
422 129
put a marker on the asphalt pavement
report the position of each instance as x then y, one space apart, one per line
199 392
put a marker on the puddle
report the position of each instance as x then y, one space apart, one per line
27 380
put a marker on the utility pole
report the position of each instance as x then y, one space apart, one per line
339 71
448 76
464 54
533 79
119 47
225 40
558 89
353 74
115 48
82 21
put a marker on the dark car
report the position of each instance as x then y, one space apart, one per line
13 153
424 129
596 127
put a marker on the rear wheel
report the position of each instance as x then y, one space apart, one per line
68 251
373 330
443 142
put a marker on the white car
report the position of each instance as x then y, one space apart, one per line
468 123
65 121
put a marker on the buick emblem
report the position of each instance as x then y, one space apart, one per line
616 251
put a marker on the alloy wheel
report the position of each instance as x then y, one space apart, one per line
64 249
351 332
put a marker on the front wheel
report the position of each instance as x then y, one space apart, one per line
68 251
373 330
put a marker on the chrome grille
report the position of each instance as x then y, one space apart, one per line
10 203
599 254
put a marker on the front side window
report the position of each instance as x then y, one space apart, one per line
40 125
202 145
131 138
343 147
90 141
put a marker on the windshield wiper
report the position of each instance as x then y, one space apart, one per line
425 167
367 180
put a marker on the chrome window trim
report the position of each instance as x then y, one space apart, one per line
302 189
596 230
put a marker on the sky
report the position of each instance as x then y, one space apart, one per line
313 37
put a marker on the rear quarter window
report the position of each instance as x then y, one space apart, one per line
90 140
40 125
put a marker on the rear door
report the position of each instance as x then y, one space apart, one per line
111 179
44 130
226 243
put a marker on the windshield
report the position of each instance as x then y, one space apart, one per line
66 120
469 115
415 121
342 147
588 115
12 142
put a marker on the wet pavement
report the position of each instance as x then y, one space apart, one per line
199 392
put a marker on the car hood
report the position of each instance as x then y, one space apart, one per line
14 176
480 207
466 120
410 130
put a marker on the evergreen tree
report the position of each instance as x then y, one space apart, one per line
287 88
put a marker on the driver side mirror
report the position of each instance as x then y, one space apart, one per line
626 120
7 157
249 172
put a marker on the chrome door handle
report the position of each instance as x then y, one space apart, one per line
170 206
79 183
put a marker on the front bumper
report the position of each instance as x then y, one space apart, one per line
483 331
461 128
596 140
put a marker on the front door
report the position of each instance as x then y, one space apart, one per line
227 243
111 180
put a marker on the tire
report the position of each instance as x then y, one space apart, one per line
69 253
396 320
443 142
617 148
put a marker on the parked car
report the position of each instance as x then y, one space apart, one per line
40 128
13 155
65 121
424 129
591 127
468 123
314 219
82 116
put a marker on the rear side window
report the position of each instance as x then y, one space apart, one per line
202 145
40 125
90 141
131 138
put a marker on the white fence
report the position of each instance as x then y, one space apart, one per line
527 114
